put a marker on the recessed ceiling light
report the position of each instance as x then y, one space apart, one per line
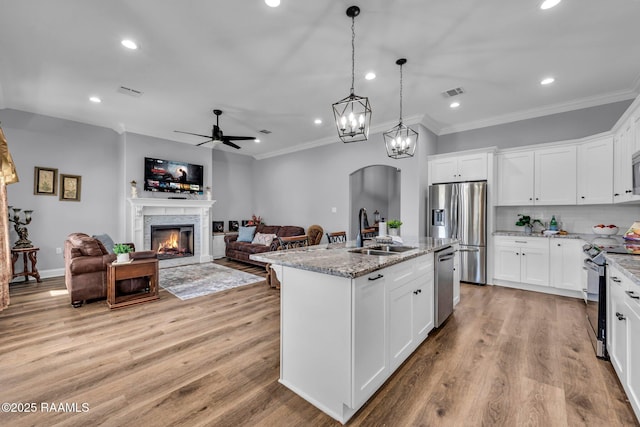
548 4
547 81
318 121
129 44
454 104
257 141
370 75
95 99
272 3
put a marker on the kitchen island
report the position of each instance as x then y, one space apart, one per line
349 319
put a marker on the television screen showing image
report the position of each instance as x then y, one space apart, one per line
172 176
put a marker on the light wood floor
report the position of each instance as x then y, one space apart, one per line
505 357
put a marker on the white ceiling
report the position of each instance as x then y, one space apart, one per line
279 69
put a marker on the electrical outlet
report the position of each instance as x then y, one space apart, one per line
58 250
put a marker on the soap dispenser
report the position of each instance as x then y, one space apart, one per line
553 224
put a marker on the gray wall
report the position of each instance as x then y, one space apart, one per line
301 188
234 187
374 188
555 127
73 148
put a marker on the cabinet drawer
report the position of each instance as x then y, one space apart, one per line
523 242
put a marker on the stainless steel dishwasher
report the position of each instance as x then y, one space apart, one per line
443 284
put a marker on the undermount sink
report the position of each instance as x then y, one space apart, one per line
382 250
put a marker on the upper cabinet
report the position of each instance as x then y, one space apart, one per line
537 177
595 172
515 178
555 176
457 168
624 146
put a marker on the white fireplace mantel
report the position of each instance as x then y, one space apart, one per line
174 207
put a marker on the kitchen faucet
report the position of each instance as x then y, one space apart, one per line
359 239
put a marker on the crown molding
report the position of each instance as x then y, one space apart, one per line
544 111
379 128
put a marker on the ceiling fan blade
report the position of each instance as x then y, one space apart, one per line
230 144
202 143
196 134
239 138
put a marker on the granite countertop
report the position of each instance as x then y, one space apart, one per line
629 265
335 259
586 237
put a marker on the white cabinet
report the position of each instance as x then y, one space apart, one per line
469 167
515 178
595 172
342 338
537 177
555 174
565 263
411 315
218 250
624 146
369 336
522 260
623 332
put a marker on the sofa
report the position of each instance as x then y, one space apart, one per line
85 272
240 251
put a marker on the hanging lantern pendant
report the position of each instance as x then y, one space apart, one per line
400 141
353 113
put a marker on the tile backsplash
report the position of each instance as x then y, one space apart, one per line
574 219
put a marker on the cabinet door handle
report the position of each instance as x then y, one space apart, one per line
632 294
523 254
417 291
530 198
517 253
559 244
620 316
616 195
379 276
615 279
582 197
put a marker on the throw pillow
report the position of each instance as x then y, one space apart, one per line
263 239
245 234
107 241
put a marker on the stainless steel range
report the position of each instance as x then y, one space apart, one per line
595 291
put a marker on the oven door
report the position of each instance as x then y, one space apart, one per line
596 306
592 288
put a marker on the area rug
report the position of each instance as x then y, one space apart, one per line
196 280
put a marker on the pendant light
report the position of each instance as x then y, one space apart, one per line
400 140
353 113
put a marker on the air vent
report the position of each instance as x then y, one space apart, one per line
131 92
266 132
453 92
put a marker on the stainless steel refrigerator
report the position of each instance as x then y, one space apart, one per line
459 211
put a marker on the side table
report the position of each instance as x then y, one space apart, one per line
132 270
28 254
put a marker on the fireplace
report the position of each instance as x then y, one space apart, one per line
172 241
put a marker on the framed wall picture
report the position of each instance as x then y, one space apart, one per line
233 226
44 181
218 226
70 187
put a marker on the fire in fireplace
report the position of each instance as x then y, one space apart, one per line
172 241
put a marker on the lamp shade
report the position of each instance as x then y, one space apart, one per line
8 173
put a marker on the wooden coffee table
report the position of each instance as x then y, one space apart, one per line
132 270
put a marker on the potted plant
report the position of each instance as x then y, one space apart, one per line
394 227
122 251
528 223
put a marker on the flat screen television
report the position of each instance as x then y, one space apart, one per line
172 176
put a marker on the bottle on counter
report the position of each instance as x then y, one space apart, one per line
553 224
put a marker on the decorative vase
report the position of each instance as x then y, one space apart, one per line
528 229
122 257
394 231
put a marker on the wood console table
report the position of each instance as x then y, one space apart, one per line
132 270
27 254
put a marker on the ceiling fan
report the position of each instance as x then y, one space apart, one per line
218 136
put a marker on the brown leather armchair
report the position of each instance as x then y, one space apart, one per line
85 272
